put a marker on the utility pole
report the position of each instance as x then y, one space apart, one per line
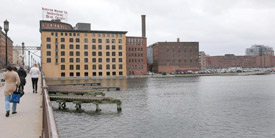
29 59
23 53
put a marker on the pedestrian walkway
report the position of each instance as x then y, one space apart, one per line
27 123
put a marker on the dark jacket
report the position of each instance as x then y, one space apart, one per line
22 75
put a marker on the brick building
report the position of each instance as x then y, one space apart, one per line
175 56
136 48
80 51
3 49
202 59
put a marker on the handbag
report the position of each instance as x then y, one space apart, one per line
15 97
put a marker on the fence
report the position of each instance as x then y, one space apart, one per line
49 129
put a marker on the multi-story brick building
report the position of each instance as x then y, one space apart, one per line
175 56
80 51
202 60
137 53
230 60
3 49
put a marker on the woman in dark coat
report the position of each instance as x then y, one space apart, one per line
22 75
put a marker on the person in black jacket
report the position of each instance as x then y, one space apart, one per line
22 75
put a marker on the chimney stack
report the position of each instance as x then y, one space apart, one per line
178 39
143 25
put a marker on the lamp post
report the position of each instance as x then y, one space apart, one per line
6 29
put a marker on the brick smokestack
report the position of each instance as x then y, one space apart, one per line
143 26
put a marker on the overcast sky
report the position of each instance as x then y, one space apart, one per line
220 26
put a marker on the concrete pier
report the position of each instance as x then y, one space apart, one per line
27 123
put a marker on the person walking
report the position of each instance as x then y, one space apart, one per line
34 75
12 81
22 75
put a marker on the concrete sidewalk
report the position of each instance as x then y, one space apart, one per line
27 123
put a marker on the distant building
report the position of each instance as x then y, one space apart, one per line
3 49
175 56
230 60
17 56
202 59
81 52
259 50
136 48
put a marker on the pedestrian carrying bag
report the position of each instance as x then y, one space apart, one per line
15 97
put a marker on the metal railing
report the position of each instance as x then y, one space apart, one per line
49 129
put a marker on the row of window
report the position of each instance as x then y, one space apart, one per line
86 34
183 50
185 61
179 56
135 66
135 49
182 46
94 74
62 46
86 60
94 67
135 54
77 53
136 60
86 40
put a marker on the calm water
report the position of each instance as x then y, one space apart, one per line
181 107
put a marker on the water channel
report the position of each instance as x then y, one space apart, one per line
178 107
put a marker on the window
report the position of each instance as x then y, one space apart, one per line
99 73
107 60
85 46
99 60
62 74
86 67
107 53
62 67
100 67
94 40
77 47
114 73
71 67
85 53
71 40
120 73
99 53
107 66
99 46
48 53
77 60
62 40
94 73
113 66
120 60
113 53
71 46
120 47
107 47
78 74
113 41
107 73
85 40
120 66
94 66
77 67
62 46
99 40
62 60
48 60
71 74
86 60
94 59
120 41
77 53
48 46
113 60
71 53
62 53
107 41
71 60
113 47
120 53
94 47
86 74
77 40
48 39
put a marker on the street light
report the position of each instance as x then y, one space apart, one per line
6 29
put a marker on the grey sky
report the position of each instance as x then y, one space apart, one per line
221 26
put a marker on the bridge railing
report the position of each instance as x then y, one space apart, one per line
49 129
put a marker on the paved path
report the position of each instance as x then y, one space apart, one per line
27 123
